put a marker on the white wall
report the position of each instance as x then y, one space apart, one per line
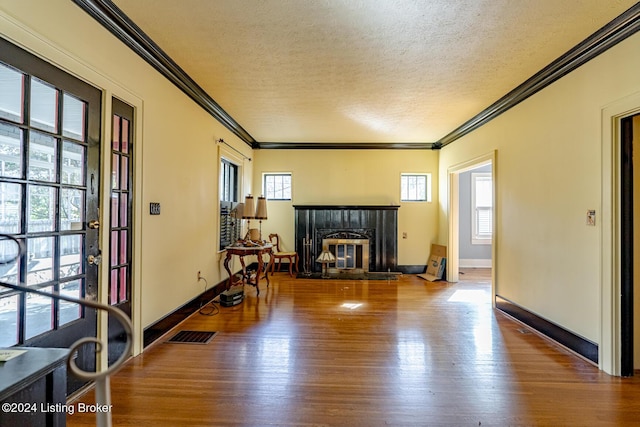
548 173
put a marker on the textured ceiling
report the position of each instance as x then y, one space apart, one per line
380 71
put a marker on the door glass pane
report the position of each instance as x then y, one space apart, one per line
114 248
71 255
11 85
10 207
42 208
124 209
125 136
40 260
123 284
44 106
42 157
114 210
116 133
70 311
73 114
9 321
10 151
8 271
113 287
39 314
73 163
124 176
71 208
115 172
123 247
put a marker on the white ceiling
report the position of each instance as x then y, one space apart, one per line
380 71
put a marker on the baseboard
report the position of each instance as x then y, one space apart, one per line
164 325
576 343
474 263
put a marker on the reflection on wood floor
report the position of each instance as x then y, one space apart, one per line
366 353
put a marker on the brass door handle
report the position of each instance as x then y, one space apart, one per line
95 224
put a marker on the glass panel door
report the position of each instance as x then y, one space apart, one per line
121 227
49 161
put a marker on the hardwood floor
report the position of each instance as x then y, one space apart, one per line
414 353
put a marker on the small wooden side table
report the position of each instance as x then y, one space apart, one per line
241 252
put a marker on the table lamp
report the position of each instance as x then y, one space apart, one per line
325 258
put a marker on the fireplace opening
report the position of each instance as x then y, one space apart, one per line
352 255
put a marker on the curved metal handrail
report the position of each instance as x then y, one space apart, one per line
101 378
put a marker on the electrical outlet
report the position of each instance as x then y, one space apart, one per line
404 234
199 276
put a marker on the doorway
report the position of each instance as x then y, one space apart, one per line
475 223
459 211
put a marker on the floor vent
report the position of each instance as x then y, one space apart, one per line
192 337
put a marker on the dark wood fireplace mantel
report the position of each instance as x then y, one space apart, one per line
379 222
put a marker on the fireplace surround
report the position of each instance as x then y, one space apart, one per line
350 225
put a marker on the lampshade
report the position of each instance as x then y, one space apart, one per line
238 211
248 207
326 257
261 209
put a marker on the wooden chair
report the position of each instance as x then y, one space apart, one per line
278 255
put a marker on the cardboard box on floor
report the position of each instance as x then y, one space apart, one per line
436 263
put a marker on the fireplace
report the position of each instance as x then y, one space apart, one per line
352 255
362 238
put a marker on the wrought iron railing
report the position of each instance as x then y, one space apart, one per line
11 254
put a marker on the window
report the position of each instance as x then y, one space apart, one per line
229 226
415 187
482 208
228 181
276 186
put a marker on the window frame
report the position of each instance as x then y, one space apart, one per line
426 176
478 238
265 175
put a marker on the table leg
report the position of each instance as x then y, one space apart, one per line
245 279
269 264
226 267
258 272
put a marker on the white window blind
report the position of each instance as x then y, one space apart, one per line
482 202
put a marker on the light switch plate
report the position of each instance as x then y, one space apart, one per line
154 208
591 217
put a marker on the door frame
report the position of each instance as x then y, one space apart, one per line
453 178
611 354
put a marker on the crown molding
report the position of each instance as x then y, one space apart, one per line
606 37
121 26
347 146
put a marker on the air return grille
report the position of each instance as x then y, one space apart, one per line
192 337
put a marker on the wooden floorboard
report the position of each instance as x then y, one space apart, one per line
415 353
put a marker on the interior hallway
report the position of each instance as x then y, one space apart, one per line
414 353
